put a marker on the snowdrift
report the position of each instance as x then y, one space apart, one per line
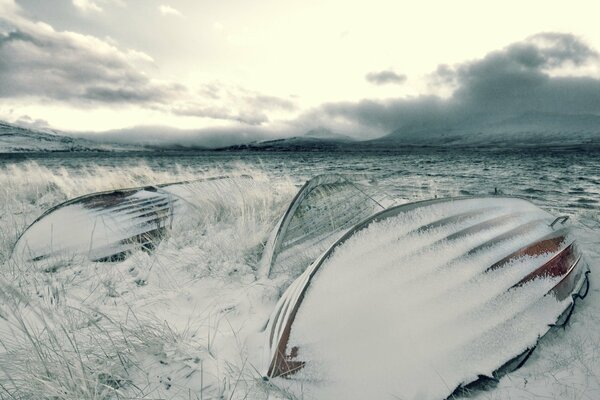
424 299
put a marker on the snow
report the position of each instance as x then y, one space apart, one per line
102 225
186 322
414 313
160 324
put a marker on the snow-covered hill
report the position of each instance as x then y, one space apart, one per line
527 129
530 129
16 139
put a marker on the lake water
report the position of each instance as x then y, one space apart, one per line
564 180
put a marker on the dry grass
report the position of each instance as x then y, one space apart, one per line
165 325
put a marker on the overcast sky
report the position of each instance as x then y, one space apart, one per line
290 66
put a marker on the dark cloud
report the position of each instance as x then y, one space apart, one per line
27 121
37 61
517 76
131 95
15 36
385 77
525 77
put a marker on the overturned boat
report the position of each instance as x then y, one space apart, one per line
425 299
324 208
109 226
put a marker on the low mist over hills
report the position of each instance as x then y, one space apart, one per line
327 134
528 129
532 129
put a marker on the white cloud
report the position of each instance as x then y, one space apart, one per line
87 6
168 10
83 72
8 8
41 62
385 77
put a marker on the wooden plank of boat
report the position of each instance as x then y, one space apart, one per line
323 209
472 295
108 226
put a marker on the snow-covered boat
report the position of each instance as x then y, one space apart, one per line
108 226
424 299
322 210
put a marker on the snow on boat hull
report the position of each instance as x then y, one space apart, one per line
108 226
424 298
322 210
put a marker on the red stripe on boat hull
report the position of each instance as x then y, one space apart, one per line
559 265
568 283
550 245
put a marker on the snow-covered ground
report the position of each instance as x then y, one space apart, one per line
182 323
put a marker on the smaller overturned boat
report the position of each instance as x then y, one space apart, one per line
324 208
426 299
109 226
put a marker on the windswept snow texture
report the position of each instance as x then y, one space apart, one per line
108 226
183 321
409 302
323 210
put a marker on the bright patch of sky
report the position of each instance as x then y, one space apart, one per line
198 64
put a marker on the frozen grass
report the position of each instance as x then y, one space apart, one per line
181 323
172 324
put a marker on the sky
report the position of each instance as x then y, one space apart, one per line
286 67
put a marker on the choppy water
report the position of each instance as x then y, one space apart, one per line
562 182
568 181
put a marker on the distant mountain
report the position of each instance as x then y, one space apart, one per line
532 129
17 139
314 140
527 129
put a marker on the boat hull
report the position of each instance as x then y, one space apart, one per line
446 289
